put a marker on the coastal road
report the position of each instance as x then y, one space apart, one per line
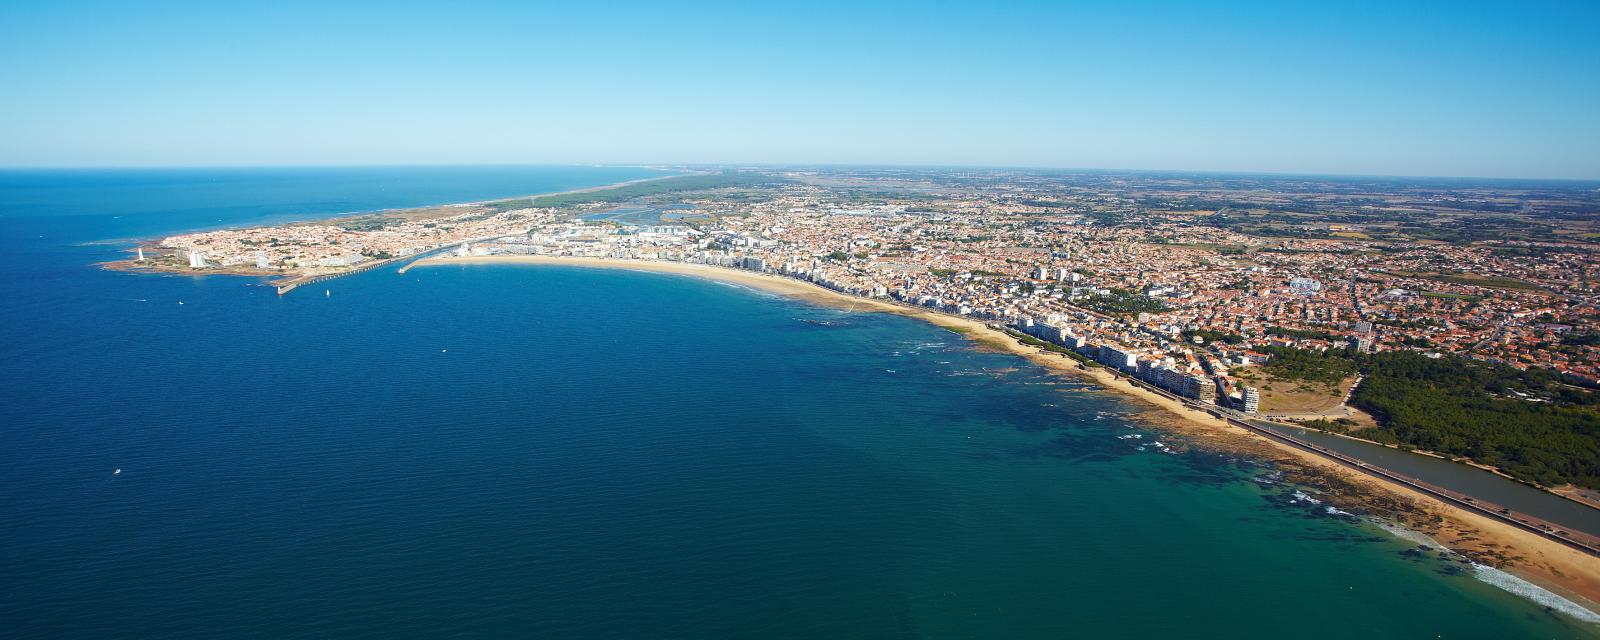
1580 540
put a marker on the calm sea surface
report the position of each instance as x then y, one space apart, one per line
572 453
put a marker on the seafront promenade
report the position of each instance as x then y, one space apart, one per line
1579 540
1567 535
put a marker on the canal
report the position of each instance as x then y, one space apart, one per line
1456 477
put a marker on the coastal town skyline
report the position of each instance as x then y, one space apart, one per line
1187 280
679 395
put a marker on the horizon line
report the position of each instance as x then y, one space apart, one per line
793 165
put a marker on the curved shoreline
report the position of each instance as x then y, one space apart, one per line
288 280
1549 564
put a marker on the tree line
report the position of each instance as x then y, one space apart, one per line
1526 423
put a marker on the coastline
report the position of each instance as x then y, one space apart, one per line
1547 564
602 187
288 280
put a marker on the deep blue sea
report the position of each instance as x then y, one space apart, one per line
558 452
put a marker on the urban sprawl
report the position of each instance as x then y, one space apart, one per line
1186 282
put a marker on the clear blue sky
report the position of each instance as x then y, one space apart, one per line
1450 88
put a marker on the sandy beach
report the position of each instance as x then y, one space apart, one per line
593 189
1546 563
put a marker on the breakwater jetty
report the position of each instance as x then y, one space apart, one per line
285 286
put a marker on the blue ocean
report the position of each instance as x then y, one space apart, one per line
563 452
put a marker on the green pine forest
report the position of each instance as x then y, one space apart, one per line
1526 423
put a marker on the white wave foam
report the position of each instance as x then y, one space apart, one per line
733 285
1406 534
1502 580
1533 592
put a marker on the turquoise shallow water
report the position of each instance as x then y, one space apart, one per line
564 452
